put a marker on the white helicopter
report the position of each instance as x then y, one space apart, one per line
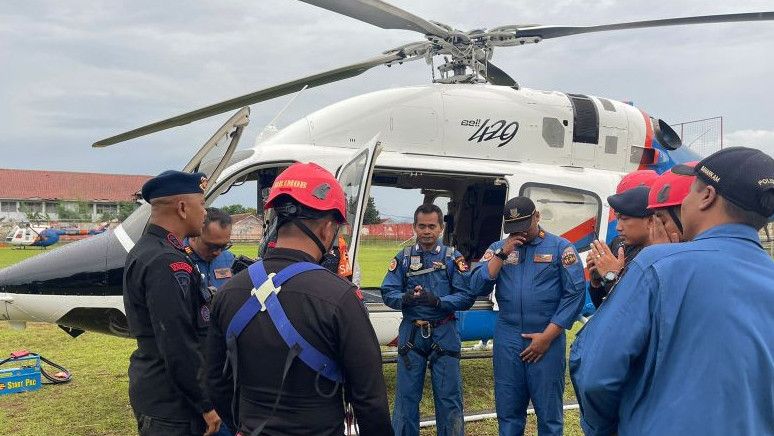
28 235
473 138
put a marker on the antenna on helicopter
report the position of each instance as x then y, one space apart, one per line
271 128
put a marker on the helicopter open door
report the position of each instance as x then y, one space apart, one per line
355 179
214 166
132 227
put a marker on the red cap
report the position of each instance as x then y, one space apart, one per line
635 179
670 189
310 185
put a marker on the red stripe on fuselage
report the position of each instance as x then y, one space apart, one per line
648 136
580 231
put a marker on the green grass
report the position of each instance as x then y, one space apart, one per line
96 401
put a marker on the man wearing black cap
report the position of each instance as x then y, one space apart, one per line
540 291
168 313
688 329
634 219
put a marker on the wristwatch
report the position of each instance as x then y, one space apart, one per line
610 277
501 254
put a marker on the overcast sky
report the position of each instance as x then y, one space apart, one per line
73 72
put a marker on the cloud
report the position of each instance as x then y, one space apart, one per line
760 139
76 71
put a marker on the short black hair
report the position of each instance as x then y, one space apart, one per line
217 215
739 215
747 217
429 208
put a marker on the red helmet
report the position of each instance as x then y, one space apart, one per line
636 178
310 185
670 189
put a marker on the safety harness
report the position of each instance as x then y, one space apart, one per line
264 298
426 327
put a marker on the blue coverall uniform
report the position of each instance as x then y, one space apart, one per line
541 282
217 272
443 271
684 344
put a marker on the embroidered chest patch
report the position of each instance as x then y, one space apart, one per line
416 263
513 258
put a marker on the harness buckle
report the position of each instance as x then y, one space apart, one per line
262 292
425 328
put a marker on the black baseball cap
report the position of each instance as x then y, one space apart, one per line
632 202
517 215
741 175
173 182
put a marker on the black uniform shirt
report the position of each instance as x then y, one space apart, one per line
327 313
168 315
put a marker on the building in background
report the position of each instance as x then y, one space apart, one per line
33 195
246 227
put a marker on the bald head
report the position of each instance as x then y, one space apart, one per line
181 214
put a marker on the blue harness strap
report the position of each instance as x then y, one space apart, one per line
311 356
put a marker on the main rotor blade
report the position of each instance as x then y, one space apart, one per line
381 14
546 32
496 76
255 97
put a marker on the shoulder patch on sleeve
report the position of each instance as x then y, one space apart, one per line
393 264
184 280
488 255
569 257
462 266
181 266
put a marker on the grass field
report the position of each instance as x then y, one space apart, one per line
95 402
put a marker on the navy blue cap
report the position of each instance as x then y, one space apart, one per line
517 215
174 183
633 202
744 176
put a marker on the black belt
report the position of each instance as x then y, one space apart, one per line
436 351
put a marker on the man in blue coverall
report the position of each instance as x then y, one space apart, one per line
428 282
540 291
210 250
684 344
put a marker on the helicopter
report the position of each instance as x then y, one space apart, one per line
469 140
27 235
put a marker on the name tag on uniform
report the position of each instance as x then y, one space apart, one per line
543 258
223 273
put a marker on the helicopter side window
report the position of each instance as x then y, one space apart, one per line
571 213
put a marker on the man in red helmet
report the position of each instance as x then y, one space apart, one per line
298 355
666 196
